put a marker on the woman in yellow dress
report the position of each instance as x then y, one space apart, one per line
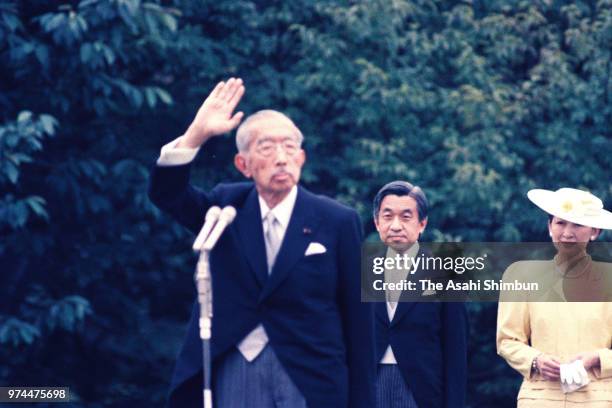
561 343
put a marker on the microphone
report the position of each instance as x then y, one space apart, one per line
212 215
225 218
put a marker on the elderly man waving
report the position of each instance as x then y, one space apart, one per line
289 329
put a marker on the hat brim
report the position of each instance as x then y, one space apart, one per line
549 201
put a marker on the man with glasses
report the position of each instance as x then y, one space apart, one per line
289 329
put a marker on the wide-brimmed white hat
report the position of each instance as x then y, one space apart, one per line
577 206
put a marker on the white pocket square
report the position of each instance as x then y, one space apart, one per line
315 248
428 292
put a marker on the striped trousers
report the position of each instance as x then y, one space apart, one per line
261 383
391 389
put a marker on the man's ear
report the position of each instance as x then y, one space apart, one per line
423 224
302 157
240 161
376 223
595 234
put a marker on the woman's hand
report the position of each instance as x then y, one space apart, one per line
589 359
548 367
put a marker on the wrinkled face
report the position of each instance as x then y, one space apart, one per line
398 223
274 158
569 237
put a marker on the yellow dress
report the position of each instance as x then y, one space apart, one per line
526 328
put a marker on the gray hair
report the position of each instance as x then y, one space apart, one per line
245 131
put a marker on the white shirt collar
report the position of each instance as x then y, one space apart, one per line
283 210
411 253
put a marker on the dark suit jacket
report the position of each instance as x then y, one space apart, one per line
429 342
309 306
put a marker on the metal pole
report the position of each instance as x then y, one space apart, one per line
203 284
215 222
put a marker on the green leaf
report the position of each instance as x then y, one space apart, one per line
50 22
12 172
169 21
11 21
42 54
164 96
49 124
24 116
17 332
109 55
18 158
87 3
68 312
150 96
37 204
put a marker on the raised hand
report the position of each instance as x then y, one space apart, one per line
216 115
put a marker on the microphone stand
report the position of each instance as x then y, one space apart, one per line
216 221
204 285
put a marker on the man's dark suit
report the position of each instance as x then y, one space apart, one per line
309 306
429 342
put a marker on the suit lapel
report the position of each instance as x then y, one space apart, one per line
402 309
250 230
298 235
380 306
380 310
403 305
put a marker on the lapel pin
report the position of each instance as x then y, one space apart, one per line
307 231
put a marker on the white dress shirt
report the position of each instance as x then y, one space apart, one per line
389 357
175 156
256 340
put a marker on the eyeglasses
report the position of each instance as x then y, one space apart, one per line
267 148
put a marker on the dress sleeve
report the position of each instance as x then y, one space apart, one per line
514 333
605 361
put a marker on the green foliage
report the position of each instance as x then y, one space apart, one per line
476 102
19 140
73 209
15 333
68 312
